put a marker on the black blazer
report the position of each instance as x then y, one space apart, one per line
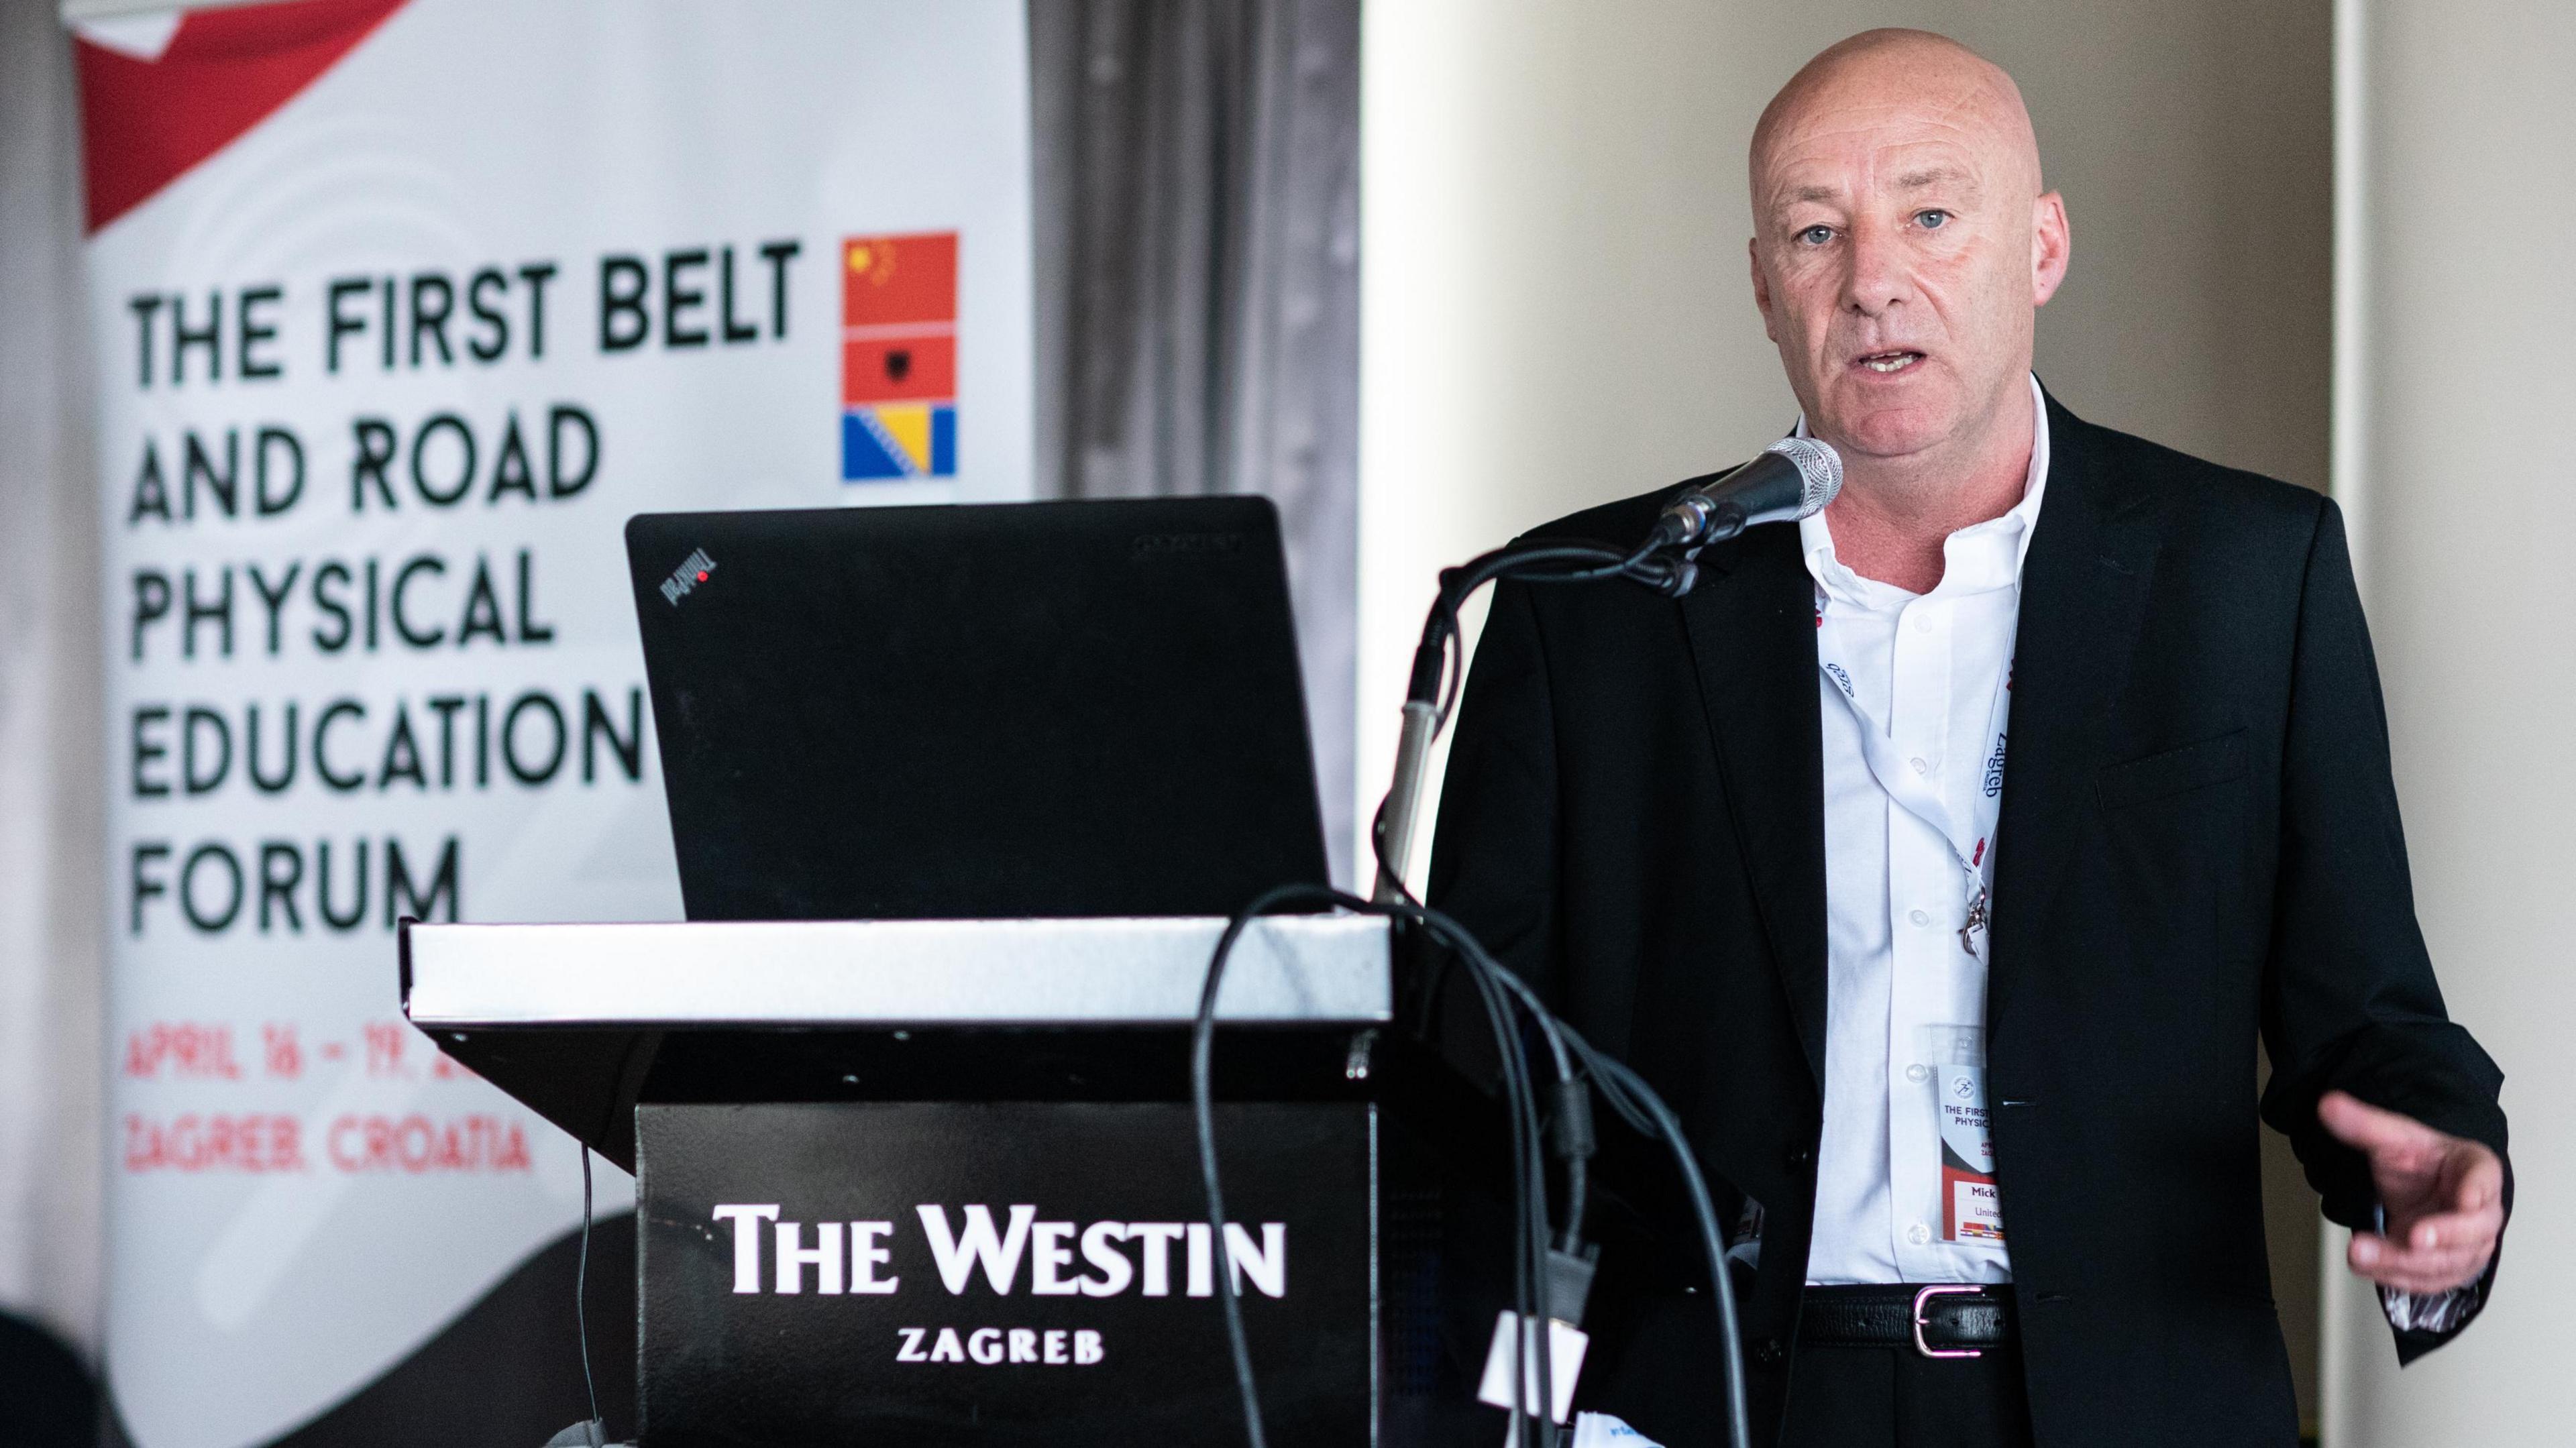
2199 842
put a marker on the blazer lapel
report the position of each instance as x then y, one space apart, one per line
1751 624
2083 592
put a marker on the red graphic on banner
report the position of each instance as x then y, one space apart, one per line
144 123
890 279
898 369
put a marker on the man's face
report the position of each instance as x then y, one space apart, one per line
1900 247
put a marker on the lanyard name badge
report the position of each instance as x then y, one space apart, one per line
1971 1207
1971 841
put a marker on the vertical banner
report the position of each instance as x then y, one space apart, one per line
401 308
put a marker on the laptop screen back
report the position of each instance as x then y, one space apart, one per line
1041 709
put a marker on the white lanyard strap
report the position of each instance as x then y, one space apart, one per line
1972 840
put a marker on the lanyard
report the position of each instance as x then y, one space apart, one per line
1971 840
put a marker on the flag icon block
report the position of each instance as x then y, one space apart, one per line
899 356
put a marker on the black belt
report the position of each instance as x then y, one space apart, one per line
1940 1321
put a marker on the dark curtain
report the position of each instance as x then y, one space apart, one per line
1197 233
52 735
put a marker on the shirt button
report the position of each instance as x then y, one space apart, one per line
1916 1072
1919 918
1918 1234
1919 766
1922 623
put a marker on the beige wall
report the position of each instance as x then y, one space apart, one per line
1554 303
2459 464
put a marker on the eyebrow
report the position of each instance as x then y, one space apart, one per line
1932 175
1908 181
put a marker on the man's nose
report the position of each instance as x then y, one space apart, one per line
1878 277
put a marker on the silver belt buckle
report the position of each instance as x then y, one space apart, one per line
1922 1319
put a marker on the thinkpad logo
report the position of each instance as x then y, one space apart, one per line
685 579
1152 544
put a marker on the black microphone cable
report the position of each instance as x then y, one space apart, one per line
1439 670
1644 1110
1531 1237
1635 1102
1668 575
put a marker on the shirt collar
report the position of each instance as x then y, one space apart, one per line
1979 557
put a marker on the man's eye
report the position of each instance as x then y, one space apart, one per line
1816 235
1932 220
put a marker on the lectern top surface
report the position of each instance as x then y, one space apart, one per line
1321 970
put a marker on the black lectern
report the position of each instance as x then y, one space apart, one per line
934 1182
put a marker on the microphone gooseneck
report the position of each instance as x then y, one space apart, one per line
1793 478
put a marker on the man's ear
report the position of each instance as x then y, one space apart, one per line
1761 287
2051 243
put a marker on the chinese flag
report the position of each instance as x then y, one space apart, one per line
899 280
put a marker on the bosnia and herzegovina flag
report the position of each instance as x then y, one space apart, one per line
899 356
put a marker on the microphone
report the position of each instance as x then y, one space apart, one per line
1793 478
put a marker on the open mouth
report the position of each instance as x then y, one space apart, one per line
1895 360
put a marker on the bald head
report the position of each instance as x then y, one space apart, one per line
1883 75
1901 247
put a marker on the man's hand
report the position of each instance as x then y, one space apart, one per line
2443 1196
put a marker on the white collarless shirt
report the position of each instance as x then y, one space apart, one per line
1903 997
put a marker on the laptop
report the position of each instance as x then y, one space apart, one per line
978 711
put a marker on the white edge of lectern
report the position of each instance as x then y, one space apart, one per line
1289 969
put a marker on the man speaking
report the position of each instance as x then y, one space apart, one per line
1972 1028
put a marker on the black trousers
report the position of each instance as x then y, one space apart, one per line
1878 1397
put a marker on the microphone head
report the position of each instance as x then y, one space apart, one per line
1820 471
1793 478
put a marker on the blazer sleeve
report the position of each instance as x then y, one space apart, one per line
2349 1000
1494 854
